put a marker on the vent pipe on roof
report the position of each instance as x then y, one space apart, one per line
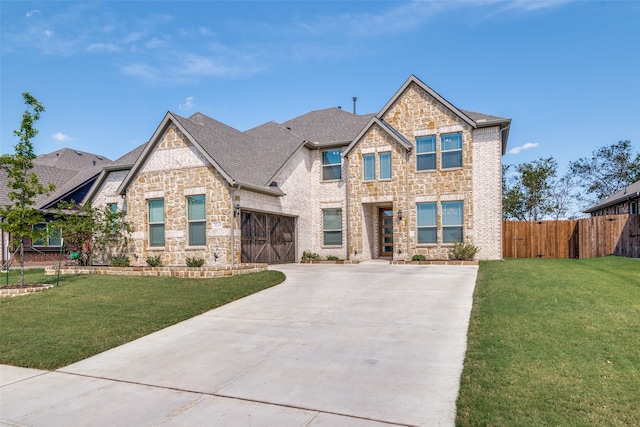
355 98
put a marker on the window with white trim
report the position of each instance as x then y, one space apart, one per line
452 220
385 165
451 150
331 165
156 222
369 166
426 153
332 227
196 215
427 222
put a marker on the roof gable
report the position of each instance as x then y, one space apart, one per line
386 127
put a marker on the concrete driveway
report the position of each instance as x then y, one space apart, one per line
349 345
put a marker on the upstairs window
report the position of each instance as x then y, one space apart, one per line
427 223
452 220
369 166
332 227
385 165
196 212
113 207
331 165
451 148
156 222
426 153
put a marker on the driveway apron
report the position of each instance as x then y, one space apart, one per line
355 345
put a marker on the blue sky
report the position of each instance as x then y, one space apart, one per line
566 72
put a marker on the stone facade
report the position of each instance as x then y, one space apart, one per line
175 168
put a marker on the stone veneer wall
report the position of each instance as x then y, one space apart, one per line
173 171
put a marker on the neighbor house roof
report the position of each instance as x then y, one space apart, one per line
630 192
69 170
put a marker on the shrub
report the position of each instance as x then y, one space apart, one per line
463 251
195 262
309 256
154 261
119 261
418 257
332 258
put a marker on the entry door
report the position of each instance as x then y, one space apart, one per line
386 232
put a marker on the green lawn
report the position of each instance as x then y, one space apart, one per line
553 342
88 314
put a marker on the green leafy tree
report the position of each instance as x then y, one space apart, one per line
609 170
20 216
527 194
98 234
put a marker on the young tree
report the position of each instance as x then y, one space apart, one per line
527 195
609 170
20 215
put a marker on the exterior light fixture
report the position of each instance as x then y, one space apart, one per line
236 210
400 215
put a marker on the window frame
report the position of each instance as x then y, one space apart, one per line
430 227
194 222
387 155
451 226
331 166
369 166
447 152
155 224
48 244
331 231
426 154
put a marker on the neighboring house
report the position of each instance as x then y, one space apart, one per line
413 179
624 201
73 173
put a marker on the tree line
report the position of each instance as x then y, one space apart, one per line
533 191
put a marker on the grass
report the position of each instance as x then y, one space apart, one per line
88 314
553 342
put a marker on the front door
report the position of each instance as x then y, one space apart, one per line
386 232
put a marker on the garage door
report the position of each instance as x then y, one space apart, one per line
267 238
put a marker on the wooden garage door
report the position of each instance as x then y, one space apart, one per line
267 238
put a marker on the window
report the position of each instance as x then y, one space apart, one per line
452 219
156 222
47 237
331 165
427 223
451 146
113 207
332 227
385 165
634 208
426 153
196 219
369 166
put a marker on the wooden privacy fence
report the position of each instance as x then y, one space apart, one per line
583 238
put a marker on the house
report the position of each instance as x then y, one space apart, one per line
624 201
73 173
412 179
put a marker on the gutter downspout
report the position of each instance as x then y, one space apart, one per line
406 184
346 192
233 224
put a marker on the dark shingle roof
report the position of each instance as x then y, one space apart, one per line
631 191
332 126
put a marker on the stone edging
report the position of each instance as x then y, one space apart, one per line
27 290
340 261
436 262
183 272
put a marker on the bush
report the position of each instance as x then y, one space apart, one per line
309 256
463 251
418 258
154 261
332 258
195 262
119 261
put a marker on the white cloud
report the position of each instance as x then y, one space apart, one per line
188 104
59 136
48 33
32 12
103 47
527 146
